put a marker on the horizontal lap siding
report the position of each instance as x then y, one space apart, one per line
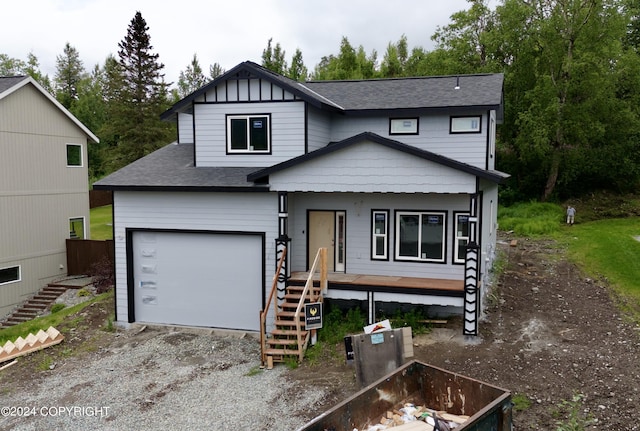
368 167
287 133
434 136
318 129
358 207
185 128
246 212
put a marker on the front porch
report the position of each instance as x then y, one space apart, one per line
387 284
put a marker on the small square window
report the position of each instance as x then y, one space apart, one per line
403 126
468 124
74 155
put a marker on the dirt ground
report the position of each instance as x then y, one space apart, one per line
548 335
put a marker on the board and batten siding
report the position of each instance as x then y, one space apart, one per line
358 209
287 133
434 136
219 212
38 192
350 170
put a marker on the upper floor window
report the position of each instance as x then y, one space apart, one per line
403 126
74 155
420 236
467 124
10 274
248 133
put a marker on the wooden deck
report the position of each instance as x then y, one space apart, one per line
412 285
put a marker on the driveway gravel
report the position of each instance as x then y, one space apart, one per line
160 378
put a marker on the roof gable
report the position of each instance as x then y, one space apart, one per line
494 176
360 97
9 85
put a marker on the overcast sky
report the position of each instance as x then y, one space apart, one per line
225 32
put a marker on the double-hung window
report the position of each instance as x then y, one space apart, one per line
379 234
462 237
420 236
248 133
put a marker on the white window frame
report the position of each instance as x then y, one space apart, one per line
81 155
465 124
421 256
84 226
248 118
375 235
2 283
459 236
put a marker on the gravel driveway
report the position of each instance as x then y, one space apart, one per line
160 378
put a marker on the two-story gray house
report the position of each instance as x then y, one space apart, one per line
394 176
44 190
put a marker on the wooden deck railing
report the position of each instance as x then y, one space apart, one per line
263 313
321 258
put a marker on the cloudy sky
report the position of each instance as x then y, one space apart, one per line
225 32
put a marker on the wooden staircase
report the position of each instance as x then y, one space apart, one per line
33 307
289 338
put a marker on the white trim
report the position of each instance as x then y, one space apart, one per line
375 235
249 118
457 237
422 257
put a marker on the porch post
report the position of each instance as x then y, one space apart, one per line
471 272
283 241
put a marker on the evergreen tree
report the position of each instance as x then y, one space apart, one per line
274 58
134 108
298 71
215 70
191 79
69 72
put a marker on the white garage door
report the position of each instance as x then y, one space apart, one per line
198 279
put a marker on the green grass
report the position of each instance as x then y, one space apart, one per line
101 223
58 320
604 248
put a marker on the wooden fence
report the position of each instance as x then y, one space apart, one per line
82 254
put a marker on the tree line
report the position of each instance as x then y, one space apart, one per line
572 89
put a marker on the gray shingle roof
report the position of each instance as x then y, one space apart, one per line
480 91
171 168
6 82
483 90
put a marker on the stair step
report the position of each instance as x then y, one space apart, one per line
279 352
17 319
46 297
275 342
287 332
55 289
29 306
27 314
43 302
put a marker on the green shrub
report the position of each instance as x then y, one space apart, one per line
57 307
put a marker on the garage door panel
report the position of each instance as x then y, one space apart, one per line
198 279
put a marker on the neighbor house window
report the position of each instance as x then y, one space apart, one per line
10 274
461 237
379 234
403 126
420 236
248 134
74 155
76 228
469 124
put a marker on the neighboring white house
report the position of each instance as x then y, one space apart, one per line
44 191
394 176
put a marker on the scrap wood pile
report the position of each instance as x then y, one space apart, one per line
31 343
417 418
